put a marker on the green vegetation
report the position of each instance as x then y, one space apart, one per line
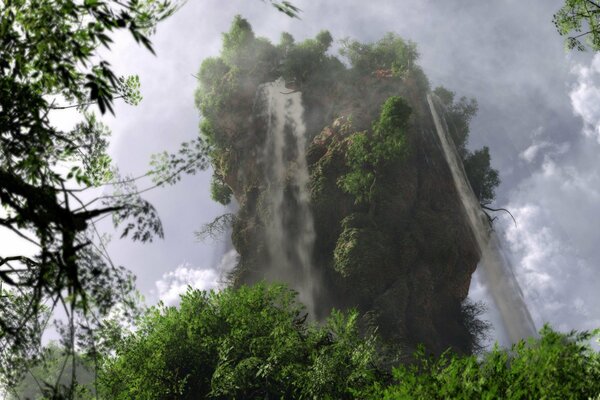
50 60
219 191
555 366
390 55
458 114
483 178
579 20
253 342
227 87
50 378
390 245
369 154
53 58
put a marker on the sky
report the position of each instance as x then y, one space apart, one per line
539 112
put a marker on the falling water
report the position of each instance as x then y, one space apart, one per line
495 268
290 233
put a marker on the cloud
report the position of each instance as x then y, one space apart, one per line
585 96
559 283
175 283
554 244
541 148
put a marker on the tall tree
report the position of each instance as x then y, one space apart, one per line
50 60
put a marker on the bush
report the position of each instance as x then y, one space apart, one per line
246 343
555 366
369 153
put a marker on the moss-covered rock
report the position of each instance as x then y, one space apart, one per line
391 235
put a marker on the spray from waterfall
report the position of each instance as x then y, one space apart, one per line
495 267
289 226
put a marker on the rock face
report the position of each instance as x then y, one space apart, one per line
405 260
391 238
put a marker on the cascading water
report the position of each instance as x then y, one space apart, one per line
289 226
496 270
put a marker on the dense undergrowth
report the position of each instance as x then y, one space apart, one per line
257 343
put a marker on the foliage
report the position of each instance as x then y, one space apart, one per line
216 228
378 166
482 177
192 157
219 191
50 54
251 342
245 62
369 154
458 114
304 60
579 20
391 53
359 247
68 369
555 366
477 328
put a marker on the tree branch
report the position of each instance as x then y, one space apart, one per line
500 209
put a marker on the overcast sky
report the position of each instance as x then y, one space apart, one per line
539 114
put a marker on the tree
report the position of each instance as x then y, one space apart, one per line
390 55
482 177
246 343
50 60
458 115
579 20
49 57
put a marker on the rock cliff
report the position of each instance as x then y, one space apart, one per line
390 234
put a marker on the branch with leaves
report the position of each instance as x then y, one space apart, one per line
579 21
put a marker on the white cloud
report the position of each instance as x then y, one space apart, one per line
585 96
175 283
554 244
542 149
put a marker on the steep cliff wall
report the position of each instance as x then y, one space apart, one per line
391 237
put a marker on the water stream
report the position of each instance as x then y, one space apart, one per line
496 270
289 228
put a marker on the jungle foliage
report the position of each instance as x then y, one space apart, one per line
227 86
256 342
369 154
50 61
555 366
253 342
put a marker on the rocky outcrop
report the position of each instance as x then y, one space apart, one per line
403 255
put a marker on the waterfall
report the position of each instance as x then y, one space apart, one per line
289 226
495 267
